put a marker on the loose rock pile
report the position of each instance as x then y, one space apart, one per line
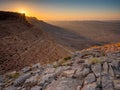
86 70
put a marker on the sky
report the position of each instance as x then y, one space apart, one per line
65 9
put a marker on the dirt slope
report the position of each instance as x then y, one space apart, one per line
23 44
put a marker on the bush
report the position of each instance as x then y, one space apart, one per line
67 58
95 60
15 75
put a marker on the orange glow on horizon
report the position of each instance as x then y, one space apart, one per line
43 15
46 11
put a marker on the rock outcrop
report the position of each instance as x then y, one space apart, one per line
12 16
85 71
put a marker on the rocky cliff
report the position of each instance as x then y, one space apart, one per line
96 68
12 16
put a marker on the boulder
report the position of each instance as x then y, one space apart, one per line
107 83
117 84
81 73
97 69
111 72
36 88
64 84
46 79
26 69
89 79
32 79
91 86
116 67
105 67
61 69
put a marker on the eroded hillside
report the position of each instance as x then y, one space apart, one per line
23 44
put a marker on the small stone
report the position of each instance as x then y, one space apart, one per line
1 88
46 78
85 71
81 73
49 70
107 83
105 67
96 69
68 73
75 58
1 79
117 84
90 78
36 88
79 61
32 79
91 86
49 66
56 64
36 66
111 72
99 83
39 71
19 88
61 69
116 67
77 53
23 89
79 87
11 73
2 84
21 79
11 88
26 69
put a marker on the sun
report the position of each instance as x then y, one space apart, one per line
22 11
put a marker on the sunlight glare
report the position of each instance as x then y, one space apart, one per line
22 11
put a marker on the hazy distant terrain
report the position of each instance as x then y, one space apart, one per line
98 31
65 37
81 34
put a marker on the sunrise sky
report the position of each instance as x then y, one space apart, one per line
65 9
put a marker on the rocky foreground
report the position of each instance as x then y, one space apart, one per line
91 69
